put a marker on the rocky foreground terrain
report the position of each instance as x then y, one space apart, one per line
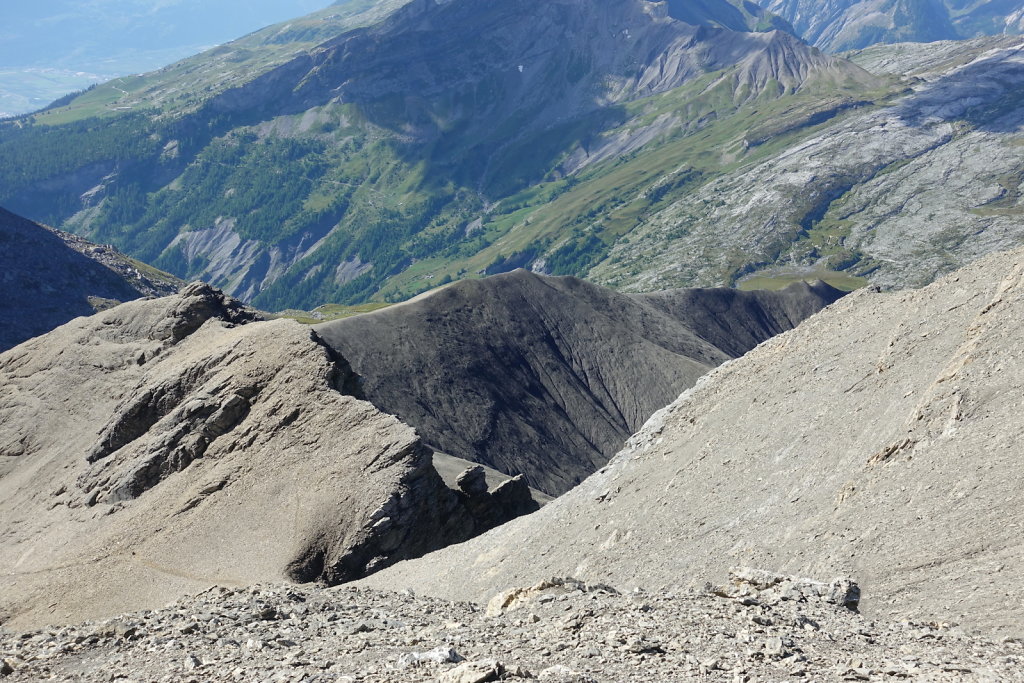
757 627
893 463
167 444
548 376
49 277
182 451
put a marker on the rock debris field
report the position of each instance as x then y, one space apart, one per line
757 627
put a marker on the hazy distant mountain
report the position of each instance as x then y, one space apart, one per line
51 48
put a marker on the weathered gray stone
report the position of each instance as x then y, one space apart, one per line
176 458
480 671
472 482
877 441
443 654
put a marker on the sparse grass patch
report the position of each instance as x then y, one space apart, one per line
780 279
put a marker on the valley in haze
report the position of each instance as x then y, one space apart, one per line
52 48
463 341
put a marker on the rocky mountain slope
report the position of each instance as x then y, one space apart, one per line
341 174
547 377
165 445
837 25
50 277
899 194
879 440
558 631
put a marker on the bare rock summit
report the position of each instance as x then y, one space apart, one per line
548 376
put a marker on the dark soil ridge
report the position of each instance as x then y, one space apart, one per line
548 376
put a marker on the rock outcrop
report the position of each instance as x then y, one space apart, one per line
50 277
166 445
547 376
879 440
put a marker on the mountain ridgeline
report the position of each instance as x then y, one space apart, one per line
547 376
880 439
407 150
185 440
166 444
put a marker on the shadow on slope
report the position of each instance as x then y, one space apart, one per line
47 280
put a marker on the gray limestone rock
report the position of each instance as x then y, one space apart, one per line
480 671
472 482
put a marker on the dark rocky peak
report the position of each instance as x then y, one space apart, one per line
547 376
50 277
879 440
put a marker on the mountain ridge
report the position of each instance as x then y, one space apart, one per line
838 25
547 377
894 461
165 445
385 168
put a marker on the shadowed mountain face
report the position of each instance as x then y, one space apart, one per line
50 277
879 440
548 376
